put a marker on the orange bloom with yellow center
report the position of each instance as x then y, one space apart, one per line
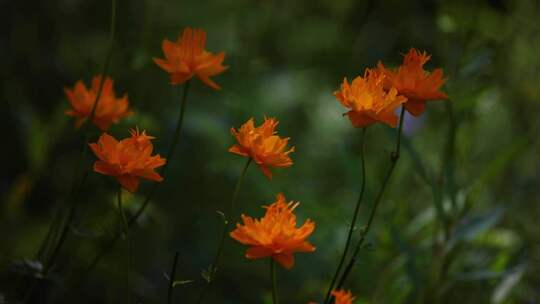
415 83
109 108
275 235
343 297
187 57
368 101
263 145
127 160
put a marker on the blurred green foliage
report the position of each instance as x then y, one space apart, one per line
458 223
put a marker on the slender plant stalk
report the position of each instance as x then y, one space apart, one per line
394 157
215 264
74 196
176 139
353 221
172 275
170 153
77 184
273 278
128 241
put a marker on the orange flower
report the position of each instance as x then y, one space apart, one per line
368 101
127 160
262 145
187 57
275 235
109 108
343 297
415 83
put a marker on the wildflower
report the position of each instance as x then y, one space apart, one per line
368 101
109 108
263 145
415 83
343 297
187 57
275 235
127 160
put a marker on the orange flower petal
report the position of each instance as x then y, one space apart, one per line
258 252
415 107
343 297
236 149
285 259
359 119
129 182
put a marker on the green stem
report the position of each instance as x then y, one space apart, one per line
170 153
77 183
107 59
273 278
354 219
214 266
128 241
84 150
107 247
171 279
394 157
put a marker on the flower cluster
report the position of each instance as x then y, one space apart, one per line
275 235
375 96
369 99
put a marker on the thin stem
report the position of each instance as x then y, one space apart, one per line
394 157
354 219
273 278
176 139
77 186
214 266
128 241
170 153
171 279
107 59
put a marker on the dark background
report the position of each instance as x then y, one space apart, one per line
475 156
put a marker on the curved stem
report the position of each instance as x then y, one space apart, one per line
273 278
214 266
107 59
153 189
394 157
77 187
354 219
126 233
170 153
171 279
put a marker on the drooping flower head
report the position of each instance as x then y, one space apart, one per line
187 57
109 108
275 235
263 145
368 101
127 160
415 83
343 297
